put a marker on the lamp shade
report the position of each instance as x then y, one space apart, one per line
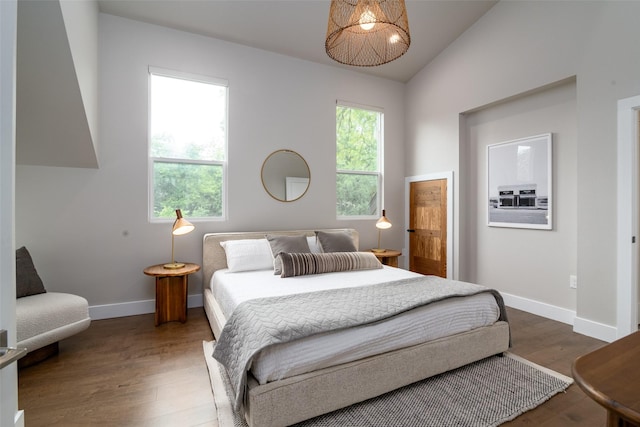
181 226
367 33
383 223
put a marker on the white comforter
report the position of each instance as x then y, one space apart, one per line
419 325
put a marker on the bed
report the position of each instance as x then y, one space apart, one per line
380 364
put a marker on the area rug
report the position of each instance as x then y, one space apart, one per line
485 393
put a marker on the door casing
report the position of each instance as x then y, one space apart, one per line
627 195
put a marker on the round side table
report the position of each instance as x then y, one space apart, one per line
388 257
171 291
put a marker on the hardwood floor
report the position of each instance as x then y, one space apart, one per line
127 372
123 372
555 346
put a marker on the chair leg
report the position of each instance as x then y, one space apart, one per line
39 355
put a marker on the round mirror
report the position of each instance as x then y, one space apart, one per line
285 175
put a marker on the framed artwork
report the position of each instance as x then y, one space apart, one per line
519 176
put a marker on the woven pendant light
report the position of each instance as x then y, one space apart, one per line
367 33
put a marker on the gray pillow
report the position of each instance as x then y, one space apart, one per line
288 244
336 241
27 280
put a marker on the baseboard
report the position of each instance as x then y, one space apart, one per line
134 308
18 419
596 330
539 308
581 326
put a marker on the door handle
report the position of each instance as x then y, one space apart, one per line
411 230
8 355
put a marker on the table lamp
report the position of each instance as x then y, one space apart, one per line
382 224
180 226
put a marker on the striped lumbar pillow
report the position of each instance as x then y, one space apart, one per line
300 264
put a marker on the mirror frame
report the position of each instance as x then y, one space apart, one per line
264 184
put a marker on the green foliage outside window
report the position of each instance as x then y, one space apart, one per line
357 194
196 189
358 134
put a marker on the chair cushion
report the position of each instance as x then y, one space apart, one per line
46 318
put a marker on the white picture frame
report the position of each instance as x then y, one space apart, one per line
520 183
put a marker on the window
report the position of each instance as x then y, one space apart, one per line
358 161
187 145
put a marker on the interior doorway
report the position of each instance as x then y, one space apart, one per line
628 199
429 219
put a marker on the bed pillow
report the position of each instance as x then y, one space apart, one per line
289 244
314 245
248 254
28 282
302 264
336 241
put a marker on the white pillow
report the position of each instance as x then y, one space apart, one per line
248 254
314 245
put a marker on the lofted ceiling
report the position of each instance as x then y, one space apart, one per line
56 90
297 27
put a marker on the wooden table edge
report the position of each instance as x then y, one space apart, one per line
189 268
611 405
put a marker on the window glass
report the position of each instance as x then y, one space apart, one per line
358 161
187 145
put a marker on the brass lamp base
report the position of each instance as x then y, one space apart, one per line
174 265
378 250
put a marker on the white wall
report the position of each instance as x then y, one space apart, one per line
56 105
88 229
531 264
518 47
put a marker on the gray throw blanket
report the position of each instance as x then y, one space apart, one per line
259 323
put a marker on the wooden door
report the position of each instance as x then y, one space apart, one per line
428 227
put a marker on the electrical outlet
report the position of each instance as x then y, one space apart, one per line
573 282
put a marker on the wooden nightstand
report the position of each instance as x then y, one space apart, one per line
388 257
171 291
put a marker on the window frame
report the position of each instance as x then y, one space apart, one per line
163 72
380 161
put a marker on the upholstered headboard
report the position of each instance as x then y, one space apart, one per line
213 255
